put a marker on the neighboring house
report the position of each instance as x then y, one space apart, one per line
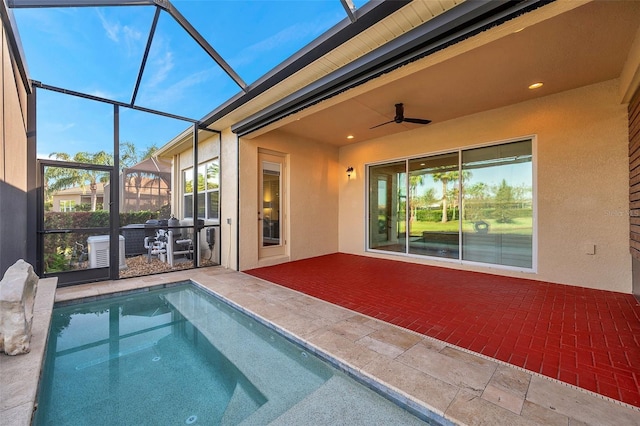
560 152
70 199
145 186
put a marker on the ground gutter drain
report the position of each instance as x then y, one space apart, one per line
191 420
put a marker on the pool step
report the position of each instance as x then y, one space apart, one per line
341 401
240 406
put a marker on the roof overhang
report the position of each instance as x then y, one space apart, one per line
566 44
459 23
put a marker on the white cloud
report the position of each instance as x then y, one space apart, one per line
161 98
60 127
281 38
130 36
111 28
161 62
119 33
101 94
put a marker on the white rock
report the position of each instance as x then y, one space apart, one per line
17 295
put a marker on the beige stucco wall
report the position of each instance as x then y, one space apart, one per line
582 181
14 124
312 182
229 199
13 161
208 149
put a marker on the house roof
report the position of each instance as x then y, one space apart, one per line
78 190
151 165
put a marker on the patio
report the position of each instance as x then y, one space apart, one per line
582 337
450 381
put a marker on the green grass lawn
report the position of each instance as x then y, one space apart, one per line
520 225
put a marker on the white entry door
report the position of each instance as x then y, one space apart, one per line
271 205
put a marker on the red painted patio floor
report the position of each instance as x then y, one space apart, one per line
584 337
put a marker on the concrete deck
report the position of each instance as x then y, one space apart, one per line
455 383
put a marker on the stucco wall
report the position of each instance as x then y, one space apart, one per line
208 149
13 163
229 199
582 181
312 181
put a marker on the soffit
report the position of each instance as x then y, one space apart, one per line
582 46
396 24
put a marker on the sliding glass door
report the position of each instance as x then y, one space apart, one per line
498 205
473 205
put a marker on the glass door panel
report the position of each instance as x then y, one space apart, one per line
387 207
498 205
271 205
433 206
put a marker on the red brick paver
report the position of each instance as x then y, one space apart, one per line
584 337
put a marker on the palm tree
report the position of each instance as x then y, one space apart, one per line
59 178
445 177
414 182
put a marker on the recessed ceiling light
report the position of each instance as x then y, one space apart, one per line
536 85
350 137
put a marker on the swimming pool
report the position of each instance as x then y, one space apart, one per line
179 355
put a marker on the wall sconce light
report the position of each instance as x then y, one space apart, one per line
349 171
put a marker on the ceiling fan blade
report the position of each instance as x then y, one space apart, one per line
417 120
378 125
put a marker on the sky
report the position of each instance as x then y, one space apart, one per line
98 51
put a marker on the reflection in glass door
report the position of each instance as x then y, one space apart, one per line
433 205
270 205
75 222
387 206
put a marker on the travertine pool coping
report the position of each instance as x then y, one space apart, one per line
456 384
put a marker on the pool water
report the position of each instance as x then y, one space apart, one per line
179 355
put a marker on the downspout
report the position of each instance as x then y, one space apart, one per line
237 205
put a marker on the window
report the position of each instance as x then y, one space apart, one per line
67 205
473 205
208 190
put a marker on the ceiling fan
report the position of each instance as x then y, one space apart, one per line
400 118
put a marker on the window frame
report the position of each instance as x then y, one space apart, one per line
205 192
459 260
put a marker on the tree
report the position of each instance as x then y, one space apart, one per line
59 178
504 199
414 182
130 157
445 178
475 199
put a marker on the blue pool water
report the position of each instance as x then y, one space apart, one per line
179 355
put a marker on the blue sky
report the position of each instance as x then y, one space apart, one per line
98 51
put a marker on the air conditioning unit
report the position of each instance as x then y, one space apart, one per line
98 247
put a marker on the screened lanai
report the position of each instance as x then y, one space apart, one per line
114 81
494 140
